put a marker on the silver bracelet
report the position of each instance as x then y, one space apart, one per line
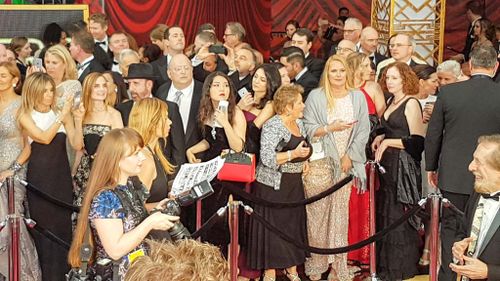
15 167
289 153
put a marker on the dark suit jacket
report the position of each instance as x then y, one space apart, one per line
315 66
201 74
160 69
379 57
463 112
239 84
175 151
94 66
469 40
193 131
489 252
308 81
105 59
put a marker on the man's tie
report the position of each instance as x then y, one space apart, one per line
474 232
177 98
100 43
492 197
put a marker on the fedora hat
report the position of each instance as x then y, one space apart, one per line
141 71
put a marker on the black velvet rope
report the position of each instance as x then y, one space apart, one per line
377 236
52 237
207 226
51 199
235 189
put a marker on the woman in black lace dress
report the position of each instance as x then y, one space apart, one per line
399 151
221 131
100 117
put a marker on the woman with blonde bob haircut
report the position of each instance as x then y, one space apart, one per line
336 122
149 117
113 208
59 64
100 117
48 167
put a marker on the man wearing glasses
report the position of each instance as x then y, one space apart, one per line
352 31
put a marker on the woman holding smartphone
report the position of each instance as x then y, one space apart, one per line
336 121
223 127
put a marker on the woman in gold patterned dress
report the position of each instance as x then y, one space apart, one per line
336 120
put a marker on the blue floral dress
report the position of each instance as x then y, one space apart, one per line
107 205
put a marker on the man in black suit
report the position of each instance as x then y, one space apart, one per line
81 49
303 38
476 251
245 62
293 59
117 42
369 45
202 60
141 79
98 27
474 13
463 112
186 92
174 43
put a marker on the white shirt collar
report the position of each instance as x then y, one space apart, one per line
304 70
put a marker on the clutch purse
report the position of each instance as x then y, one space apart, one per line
238 166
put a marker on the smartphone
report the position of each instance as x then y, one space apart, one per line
77 99
223 105
217 49
37 62
242 92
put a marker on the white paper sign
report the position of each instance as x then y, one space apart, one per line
191 174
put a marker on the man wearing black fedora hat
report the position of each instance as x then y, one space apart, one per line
141 79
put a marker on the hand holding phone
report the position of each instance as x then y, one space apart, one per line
77 99
37 62
223 105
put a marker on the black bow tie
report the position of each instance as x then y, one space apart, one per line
101 43
488 196
115 62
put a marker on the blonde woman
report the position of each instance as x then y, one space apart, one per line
336 121
100 117
149 117
113 208
48 167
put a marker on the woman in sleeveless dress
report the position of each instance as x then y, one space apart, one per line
403 142
14 153
221 131
100 117
359 211
336 119
284 152
48 169
149 117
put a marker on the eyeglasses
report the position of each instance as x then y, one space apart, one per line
340 49
350 30
393 46
228 34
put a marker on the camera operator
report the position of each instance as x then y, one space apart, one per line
115 209
330 34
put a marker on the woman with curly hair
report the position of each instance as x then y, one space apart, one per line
399 151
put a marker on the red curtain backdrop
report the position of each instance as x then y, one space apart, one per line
264 20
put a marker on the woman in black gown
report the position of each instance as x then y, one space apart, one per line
283 156
149 117
222 131
402 144
48 169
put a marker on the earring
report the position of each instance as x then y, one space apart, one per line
13 85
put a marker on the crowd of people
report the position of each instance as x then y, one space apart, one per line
104 125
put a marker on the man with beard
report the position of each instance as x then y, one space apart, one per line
477 257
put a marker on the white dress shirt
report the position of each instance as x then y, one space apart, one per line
490 211
82 66
301 73
185 101
104 45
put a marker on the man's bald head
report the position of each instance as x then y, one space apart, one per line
3 53
180 71
369 40
345 48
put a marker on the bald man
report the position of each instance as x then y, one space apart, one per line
369 45
352 30
345 48
3 53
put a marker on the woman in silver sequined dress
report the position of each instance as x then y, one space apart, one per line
14 152
336 121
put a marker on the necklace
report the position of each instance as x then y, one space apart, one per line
394 102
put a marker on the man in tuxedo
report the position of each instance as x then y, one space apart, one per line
245 62
473 13
174 43
463 112
293 59
117 42
186 92
141 79
476 251
98 27
368 43
81 49
303 38
203 61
